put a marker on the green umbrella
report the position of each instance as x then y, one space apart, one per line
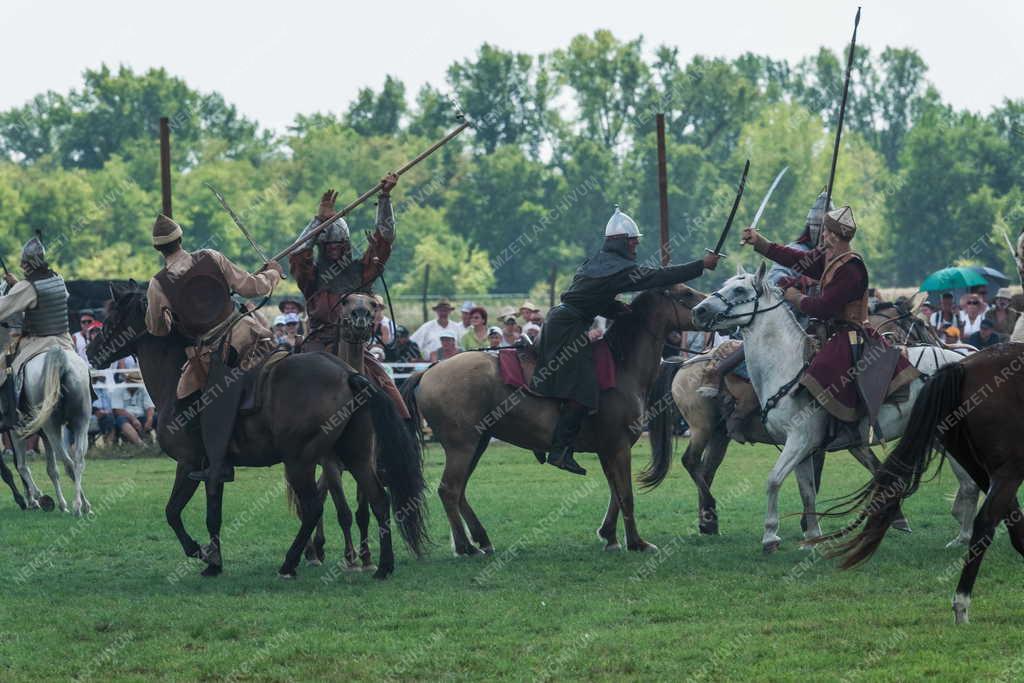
952 278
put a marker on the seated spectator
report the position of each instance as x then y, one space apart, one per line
134 412
494 337
952 335
476 335
509 335
290 305
527 311
972 315
466 311
383 326
280 333
404 350
985 336
447 348
946 315
1002 316
531 331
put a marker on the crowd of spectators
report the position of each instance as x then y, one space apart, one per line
971 319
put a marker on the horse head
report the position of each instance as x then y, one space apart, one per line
738 301
357 316
125 324
675 307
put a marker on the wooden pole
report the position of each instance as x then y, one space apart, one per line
426 286
551 285
165 165
666 250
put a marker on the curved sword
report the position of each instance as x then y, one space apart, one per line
764 202
732 214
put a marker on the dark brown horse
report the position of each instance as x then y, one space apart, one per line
312 408
969 408
466 403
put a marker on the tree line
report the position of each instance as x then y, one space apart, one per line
560 139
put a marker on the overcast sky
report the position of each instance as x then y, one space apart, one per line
274 60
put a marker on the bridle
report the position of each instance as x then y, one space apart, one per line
727 314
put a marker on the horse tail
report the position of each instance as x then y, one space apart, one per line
662 411
415 422
53 368
399 455
936 414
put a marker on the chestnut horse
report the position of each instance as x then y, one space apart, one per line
466 404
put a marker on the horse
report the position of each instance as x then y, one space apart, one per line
312 408
55 396
709 438
5 472
969 408
776 346
354 331
466 403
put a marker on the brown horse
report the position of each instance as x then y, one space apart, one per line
970 409
466 403
312 408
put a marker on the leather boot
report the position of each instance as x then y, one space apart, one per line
711 382
570 421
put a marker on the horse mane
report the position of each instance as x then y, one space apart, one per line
627 329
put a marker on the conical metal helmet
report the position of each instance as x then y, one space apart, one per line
816 216
621 224
337 232
33 253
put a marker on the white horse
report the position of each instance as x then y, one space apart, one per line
56 391
775 346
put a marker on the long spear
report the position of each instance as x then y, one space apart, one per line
466 123
842 116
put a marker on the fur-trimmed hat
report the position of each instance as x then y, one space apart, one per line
165 231
841 222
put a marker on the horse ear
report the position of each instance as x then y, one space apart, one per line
759 276
133 286
916 301
740 270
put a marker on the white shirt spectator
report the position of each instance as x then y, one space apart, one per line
134 401
968 327
80 343
428 336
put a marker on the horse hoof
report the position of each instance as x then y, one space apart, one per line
612 548
367 568
771 547
708 529
487 549
902 525
286 576
46 503
212 570
313 561
650 548
382 573
957 543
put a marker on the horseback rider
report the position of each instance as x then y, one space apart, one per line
730 358
325 279
563 349
42 297
193 293
853 351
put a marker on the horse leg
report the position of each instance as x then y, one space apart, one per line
315 548
622 460
344 512
1014 520
76 464
792 454
607 532
8 478
1001 496
806 477
453 483
369 486
476 529
181 493
55 445
965 505
363 522
302 478
214 513
32 492
866 457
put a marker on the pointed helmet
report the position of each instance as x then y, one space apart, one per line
816 216
621 224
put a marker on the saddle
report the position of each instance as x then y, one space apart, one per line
517 366
254 380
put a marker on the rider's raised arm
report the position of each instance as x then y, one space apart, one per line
302 264
260 284
379 248
640 277
811 263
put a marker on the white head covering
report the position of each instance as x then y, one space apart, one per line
621 224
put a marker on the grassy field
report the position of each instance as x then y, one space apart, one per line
112 598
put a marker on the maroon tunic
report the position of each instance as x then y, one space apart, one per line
830 377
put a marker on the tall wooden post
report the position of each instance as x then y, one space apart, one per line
666 250
426 286
165 165
551 285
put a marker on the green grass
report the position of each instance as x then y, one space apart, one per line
112 598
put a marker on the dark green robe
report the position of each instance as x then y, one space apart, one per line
565 366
